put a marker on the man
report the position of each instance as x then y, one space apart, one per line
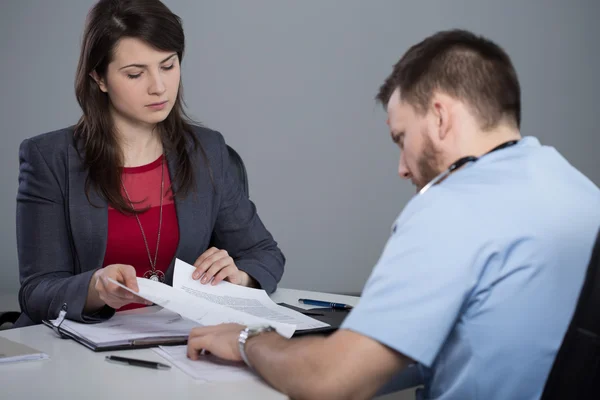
482 272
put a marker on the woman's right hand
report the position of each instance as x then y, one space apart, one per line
103 292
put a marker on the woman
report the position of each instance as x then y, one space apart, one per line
133 185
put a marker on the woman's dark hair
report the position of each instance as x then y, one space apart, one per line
107 22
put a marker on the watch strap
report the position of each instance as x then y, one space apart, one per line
245 335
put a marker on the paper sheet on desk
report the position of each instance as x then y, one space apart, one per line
212 305
207 368
11 352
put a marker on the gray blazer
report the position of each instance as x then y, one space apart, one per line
61 237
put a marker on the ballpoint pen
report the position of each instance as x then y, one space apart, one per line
328 304
136 362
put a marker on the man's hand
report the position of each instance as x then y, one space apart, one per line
102 292
220 340
218 265
343 365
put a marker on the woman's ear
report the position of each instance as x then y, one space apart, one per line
99 81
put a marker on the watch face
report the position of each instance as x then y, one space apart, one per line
255 330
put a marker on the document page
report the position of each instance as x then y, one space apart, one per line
208 368
252 301
16 352
198 309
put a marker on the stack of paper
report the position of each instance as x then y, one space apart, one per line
208 368
212 305
15 352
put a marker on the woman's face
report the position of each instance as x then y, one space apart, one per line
141 82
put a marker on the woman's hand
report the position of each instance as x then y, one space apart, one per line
102 292
218 265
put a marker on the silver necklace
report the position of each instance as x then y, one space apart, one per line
153 274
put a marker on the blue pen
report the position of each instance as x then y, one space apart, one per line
320 303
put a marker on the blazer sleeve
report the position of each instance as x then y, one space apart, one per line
47 269
239 230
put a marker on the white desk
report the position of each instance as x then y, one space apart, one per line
74 372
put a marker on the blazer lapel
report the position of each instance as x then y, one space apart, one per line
191 219
89 222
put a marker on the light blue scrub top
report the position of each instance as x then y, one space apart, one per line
481 275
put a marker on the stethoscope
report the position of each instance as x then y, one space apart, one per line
461 162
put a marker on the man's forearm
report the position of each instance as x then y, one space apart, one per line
284 364
288 365
344 365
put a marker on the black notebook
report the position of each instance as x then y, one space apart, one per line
126 331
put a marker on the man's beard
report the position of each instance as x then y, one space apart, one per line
428 164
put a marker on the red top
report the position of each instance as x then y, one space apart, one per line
125 244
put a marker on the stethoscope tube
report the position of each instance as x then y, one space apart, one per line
461 162
443 175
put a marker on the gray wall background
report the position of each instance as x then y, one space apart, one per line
290 84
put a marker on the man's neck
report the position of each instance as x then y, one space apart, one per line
483 142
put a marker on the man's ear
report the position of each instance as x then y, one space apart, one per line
99 81
442 115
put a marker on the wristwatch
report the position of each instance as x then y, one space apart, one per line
248 333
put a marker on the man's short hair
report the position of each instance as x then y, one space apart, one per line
463 65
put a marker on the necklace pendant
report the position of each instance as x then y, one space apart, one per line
156 276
